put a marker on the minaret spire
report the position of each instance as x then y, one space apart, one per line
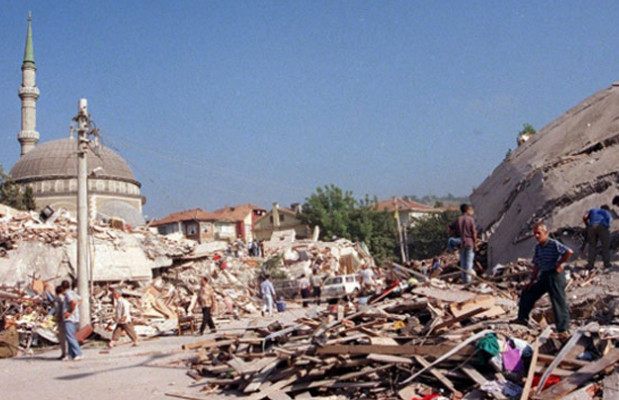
28 93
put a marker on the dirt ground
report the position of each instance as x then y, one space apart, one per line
125 372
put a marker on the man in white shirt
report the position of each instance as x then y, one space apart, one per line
71 317
122 318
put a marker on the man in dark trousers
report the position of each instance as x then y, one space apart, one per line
206 301
547 277
597 221
464 227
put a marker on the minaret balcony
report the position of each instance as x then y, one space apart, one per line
28 135
29 91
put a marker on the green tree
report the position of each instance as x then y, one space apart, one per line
338 214
429 235
12 194
527 128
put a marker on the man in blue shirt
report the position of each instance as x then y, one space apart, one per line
597 221
547 277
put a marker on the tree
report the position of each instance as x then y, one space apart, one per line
429 235
13 195
527 128
338 214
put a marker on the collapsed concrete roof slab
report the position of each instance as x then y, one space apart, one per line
568 167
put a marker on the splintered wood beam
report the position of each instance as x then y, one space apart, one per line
579 377
529 382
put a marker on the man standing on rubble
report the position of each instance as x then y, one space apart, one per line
547 277
268 293
206 298
71 319
122 317
597 221
464 227
304 289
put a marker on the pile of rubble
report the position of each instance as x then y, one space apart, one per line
426 338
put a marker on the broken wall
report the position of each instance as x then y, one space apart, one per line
568 167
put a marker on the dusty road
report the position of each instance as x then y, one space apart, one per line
124 373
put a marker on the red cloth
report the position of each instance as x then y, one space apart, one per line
552 380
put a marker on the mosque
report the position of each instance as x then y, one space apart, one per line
50 168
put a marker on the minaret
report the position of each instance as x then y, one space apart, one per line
28 93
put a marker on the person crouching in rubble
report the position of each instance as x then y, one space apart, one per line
206 300
547 277
122 317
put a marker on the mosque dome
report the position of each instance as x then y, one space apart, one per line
57 159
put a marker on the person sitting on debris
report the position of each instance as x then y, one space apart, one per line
304 289
206 300
464 226
547 277
71 319
58 314
597 221
122 317
436 266
268 294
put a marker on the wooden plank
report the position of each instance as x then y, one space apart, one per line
611 387
450 353
260 378
363 372
486 301
564 351
546 359
208 344
585 393
462 317
480 379
446 382
529 382
579 377
274 388
279 396
404 350
390 359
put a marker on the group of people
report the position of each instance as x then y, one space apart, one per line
67 313
549 258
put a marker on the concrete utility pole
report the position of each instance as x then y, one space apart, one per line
83 125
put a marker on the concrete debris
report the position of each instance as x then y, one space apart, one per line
414 339
567 168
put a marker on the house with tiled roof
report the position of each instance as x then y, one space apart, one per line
244 217
197 224
408 211
281 219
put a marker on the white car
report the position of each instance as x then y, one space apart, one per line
342 285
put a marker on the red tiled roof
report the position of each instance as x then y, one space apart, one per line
237 213
196 214
403 205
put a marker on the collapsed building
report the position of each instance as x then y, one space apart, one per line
565 169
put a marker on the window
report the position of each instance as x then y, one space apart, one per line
282 217
191 229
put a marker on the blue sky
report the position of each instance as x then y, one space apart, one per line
218 103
